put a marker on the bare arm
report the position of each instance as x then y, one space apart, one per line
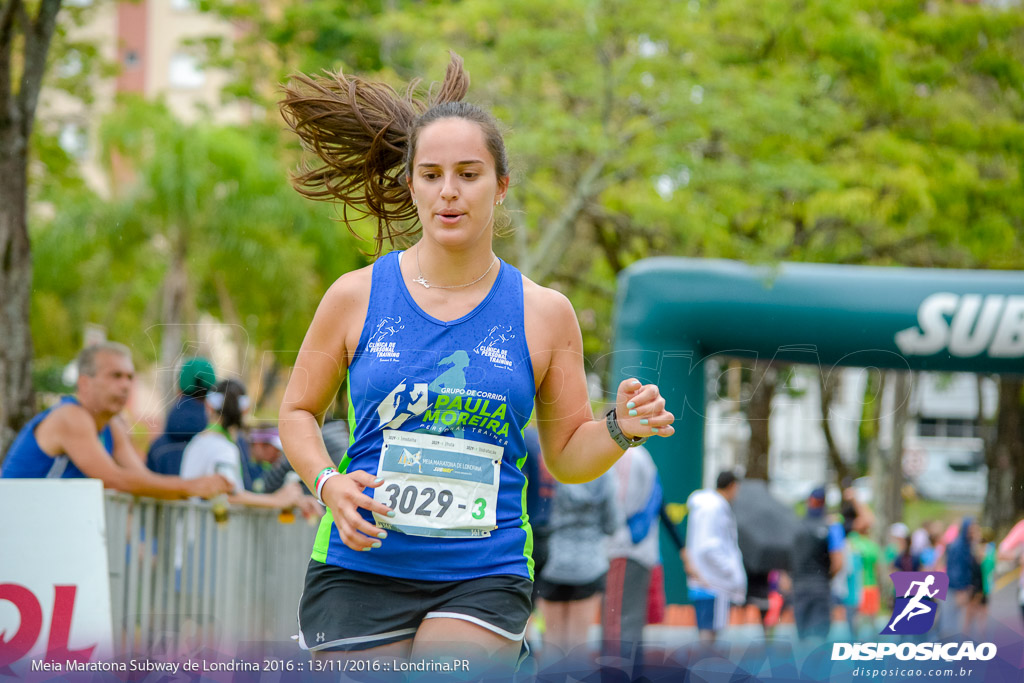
835 562
288 496
1010 547
576 447
75 432
319 370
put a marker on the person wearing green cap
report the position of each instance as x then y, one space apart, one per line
186 418
196 377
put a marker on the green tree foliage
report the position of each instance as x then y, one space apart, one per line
851 132
208 223
844 132
280 38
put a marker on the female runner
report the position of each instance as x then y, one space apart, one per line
448 353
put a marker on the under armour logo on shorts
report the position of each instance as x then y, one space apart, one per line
320 637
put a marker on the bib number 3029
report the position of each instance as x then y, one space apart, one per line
438 485
424 502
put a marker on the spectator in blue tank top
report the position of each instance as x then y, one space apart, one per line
433 170
83 436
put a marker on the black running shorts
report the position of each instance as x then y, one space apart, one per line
564 592
342 609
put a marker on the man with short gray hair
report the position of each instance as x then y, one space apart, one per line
82 435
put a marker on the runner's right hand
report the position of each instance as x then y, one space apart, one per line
344 495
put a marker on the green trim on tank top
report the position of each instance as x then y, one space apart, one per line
323 532
524 516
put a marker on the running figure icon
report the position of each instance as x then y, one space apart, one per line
915 607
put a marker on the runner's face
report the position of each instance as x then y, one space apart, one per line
108 390
454 182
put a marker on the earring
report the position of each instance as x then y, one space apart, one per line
498 203
414 201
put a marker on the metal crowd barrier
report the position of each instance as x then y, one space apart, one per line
181 582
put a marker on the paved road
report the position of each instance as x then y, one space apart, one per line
1004 607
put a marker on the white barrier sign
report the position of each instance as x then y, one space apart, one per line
54 585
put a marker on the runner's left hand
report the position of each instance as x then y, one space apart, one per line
640 409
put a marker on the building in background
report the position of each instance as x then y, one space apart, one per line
944 443
944 447
150 45
154 49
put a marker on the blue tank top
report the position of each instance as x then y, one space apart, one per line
466 379
26 460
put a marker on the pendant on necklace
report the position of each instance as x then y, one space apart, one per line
423 281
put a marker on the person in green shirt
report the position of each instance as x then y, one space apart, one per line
870 556
986 554
988 559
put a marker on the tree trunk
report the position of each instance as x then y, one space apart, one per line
828 390
1005 459
175 290
1014 438
17 400
268 384
759 412
17 114
887 472
239 337
870 420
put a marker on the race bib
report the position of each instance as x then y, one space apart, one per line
438 485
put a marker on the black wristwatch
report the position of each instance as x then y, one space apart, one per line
612 422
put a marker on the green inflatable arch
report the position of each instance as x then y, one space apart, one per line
672 315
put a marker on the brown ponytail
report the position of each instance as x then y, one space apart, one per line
360 132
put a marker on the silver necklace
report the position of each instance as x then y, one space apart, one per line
423 281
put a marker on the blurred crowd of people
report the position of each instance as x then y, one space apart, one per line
206 450
595 549
836 561
207 433
596 556
831 568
